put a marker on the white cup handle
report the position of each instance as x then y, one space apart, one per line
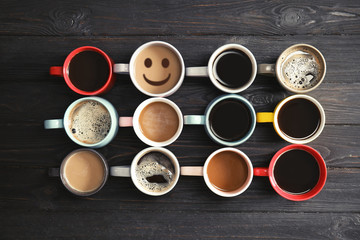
121 68
120 171
197 72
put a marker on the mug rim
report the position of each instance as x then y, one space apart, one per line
137 128
238 191
132 68
291 139
322 176
68 60
279 61
140 154
221 50
207 121
113 127
67 184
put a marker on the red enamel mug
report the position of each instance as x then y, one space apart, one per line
99 65
285 172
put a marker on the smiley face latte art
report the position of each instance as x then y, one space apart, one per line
157 69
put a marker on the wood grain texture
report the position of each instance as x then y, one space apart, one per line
35 35
73 18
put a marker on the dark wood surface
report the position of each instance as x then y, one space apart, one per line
35 35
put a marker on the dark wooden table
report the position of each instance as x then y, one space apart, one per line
35 35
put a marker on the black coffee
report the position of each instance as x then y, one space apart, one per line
296 171
234 69
299 118
88 71
230 120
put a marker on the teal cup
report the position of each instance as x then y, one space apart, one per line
90 122
229 120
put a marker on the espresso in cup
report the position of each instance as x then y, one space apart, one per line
155 172
89 122
229 120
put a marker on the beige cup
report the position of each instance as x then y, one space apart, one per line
300 68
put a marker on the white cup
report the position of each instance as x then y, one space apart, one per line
210 69
130 171
203 171
131 69
136 123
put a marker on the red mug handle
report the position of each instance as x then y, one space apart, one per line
56 71
261 171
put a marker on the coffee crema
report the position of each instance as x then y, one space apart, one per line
157 69
89 122
84 171
296 171
155 172
159 121
302 69
227 171
299 118
233 69
88 71
230 120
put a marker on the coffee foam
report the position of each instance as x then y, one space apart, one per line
90 122
155 164
301 70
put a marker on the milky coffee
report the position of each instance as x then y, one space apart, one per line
89 122
159 121
157 69
84 171
155 172
302 68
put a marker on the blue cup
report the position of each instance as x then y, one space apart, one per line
229 120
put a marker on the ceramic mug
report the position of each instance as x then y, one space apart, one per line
227 172
154 171
83 172
231 68
296 172
300 68
156 69
90 122
229 120
87 70
297 119
156 121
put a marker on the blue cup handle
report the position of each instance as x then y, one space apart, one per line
194 119
53 123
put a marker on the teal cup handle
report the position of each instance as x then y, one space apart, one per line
194 119
53 123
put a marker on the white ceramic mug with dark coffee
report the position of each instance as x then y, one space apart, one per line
229 120
83 172
156 121
90 122
300 68
156 69
231 68
154 171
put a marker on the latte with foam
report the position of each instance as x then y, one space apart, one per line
89 122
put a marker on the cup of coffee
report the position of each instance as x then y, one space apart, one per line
296 172
87 70
156 69
156 121
300 68
154 171
227 172
83 172
231 68
89 121
229 120
297 119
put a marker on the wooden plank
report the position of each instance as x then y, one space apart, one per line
19 62
74 18
127 224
